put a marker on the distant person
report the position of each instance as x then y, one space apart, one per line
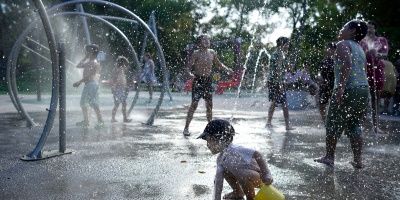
119 87
202 60
148 75
243 168
90 94
350 95
397 95
389 86
376 48
326 79
276 82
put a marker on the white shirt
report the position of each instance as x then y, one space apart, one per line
233 158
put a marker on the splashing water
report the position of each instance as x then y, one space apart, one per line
263 50
245 64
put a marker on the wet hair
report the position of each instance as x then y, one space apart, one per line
122 61
361 29
147 55
200 37
331 45
93 49
373 23
282 41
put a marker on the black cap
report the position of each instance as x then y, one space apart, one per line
218 128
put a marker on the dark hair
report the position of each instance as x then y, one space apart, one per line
281 41
122 61
331 45
361 29
147 55
93 49
200 37
373 23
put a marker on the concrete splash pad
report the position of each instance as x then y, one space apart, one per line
133 161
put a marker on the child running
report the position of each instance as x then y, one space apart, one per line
119 87
243 168
202 60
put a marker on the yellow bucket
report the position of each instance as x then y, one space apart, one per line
269 192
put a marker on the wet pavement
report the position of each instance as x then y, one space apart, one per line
135 161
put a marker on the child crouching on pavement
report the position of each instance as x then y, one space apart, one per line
243 168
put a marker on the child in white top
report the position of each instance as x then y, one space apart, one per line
243 168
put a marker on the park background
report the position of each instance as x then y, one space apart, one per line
309 24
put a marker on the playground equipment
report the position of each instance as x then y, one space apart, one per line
236 77
58 62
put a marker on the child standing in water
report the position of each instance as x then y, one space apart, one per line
148 74
326 79
202 60
90 93
243 168
276 82
119 87
350 94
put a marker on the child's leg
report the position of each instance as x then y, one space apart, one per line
246 181
189 117
150 88
114 112
271 113
322 111
124 113
356 146
286 116
209 106
85 114
237 189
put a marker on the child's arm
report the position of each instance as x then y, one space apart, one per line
221 66
218 182
81 63
265 173
189 66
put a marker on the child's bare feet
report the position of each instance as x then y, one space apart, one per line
233 195
289 128
357 165
127 120
186 132
269 125
113 120
324 160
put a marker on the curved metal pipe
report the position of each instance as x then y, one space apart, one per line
37 152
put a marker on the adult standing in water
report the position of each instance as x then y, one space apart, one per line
376 48
276 82
202 60
350 94
148 74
